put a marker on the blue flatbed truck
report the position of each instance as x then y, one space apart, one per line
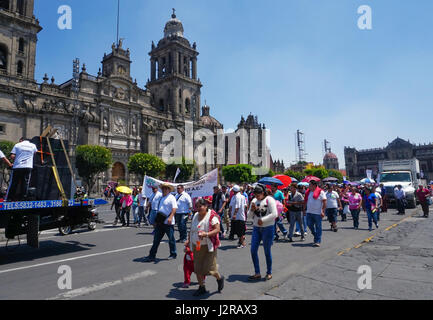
31 217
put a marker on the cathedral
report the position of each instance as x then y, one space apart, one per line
108 109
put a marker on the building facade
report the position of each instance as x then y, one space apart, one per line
110 109
358 161
330 161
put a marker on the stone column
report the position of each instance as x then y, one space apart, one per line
176 100
176 62
194 68
159 68
152 69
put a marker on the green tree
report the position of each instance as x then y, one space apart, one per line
239 173
146 164
91 161
319 172
295 174
6 148
336 174
186 170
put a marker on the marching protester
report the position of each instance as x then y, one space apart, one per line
218 201
263 211
384 198
422 195
142 203
278 196
135 206
370 204
184 207
355 204
400 197
164 222
226 210
295 204
116 204
204 242
22 157
126 204
333 204
314 208
152 205
238 207
378 193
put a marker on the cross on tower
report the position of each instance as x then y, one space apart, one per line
174 13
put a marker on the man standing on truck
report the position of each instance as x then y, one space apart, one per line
400 198
422 194
22 156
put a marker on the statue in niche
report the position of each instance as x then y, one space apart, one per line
105 124
119 125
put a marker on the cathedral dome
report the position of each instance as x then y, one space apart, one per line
330 156
173 27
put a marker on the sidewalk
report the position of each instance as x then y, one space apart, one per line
401 260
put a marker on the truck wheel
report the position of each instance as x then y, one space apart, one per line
65 230
91 226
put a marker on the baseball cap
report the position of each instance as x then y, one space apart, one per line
236 188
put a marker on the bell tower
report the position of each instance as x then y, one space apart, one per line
18 37
173 83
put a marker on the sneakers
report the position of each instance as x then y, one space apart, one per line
201 291
302 238
316 245
290 239
149 259
172 257
185 285
241 246
220 284
297 234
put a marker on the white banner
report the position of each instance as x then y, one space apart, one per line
369 173
196 189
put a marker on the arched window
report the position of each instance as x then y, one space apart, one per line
4 4
3 57
21 7
157 69
20 67
187 105
21 45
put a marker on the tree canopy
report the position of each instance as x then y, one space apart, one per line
186 170
239 173
90 161
146 164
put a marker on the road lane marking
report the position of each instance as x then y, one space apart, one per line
102 286
75 258
72 234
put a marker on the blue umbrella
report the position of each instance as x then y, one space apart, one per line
294 180
270 181
303 184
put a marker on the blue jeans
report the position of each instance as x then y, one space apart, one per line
222 222
280 225
160 230
141 215
371 217
152 216
314 222
355 217
298 227
181 219
267 236
134 213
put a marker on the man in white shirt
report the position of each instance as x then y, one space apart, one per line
152 204
22 156
314 208
166 209
184 207
400 197
238 208
333 203
378 194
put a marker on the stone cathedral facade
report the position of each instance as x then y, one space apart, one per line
110 109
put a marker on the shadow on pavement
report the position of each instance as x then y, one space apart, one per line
47 248
239 277
187 294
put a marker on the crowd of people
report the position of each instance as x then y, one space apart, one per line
224 216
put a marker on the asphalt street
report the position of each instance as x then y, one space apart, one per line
107 264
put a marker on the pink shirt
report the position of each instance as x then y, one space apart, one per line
354 201
128 200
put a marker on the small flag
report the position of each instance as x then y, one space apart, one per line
176 175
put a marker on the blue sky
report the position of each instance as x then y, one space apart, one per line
296 64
